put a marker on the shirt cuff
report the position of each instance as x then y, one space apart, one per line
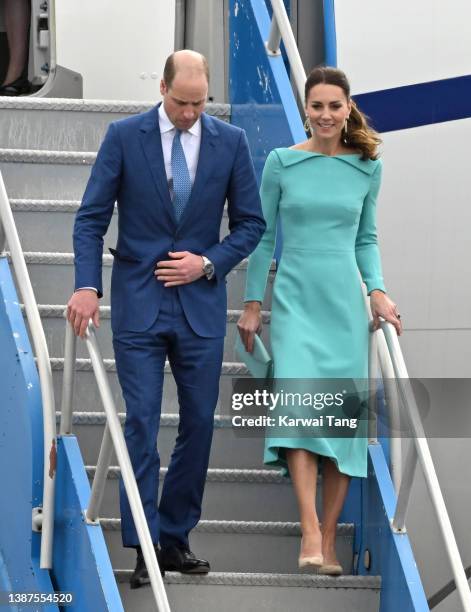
92 288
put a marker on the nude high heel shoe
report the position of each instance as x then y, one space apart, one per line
331 569
308 564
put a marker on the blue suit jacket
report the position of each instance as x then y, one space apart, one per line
130 169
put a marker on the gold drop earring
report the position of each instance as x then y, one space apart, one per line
345 127
308 126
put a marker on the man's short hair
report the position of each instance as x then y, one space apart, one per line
170 69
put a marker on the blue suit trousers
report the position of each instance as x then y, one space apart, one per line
196 366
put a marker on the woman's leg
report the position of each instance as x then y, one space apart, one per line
303 471
17 20
335 487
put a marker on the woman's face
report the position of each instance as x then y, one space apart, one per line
327 108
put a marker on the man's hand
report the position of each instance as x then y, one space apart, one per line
183 268
83 306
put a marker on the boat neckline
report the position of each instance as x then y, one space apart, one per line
322 154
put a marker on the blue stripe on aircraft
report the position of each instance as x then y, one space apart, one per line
411 106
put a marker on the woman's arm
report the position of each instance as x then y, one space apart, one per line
260 260
369 260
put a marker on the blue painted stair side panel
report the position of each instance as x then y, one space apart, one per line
81 561
21 451
391 554
262 101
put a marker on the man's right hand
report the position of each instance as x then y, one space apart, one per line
83 306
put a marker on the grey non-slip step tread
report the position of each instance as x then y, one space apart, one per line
36 205
68 125
85 365
166 420
57 310
233 592
40 156
52 278
127 107
265 579
235 493
241 527
46 257
226 475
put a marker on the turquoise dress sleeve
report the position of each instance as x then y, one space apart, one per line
261 258
366 244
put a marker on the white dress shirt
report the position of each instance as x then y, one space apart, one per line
190 139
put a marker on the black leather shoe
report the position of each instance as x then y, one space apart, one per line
20 87
181 559
140 576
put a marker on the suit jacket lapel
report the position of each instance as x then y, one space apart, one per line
152 145
206 162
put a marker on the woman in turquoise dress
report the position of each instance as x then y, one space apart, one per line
324 190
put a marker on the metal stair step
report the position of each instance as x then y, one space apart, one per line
87 398
230 494
234 592
52 316
50 222
274 547
52 278
229 449
52 175
68 125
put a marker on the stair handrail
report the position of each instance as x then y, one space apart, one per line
112 437
9 234
281 30
420 451
380 365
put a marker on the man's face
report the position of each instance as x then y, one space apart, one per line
184 100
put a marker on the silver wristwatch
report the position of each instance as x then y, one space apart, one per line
208 267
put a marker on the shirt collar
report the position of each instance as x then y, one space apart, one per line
166 125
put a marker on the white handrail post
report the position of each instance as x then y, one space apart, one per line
274 39
392 402
373 388
45 376
68 380
403 497
127 473
296 65
3 238
426 462
99 481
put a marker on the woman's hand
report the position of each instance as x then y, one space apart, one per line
250 323
382 306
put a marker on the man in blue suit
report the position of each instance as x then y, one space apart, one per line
170 171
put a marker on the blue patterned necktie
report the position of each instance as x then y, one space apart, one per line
181 176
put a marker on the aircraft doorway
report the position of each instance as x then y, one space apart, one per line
27 52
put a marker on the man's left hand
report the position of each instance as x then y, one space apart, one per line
181 269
